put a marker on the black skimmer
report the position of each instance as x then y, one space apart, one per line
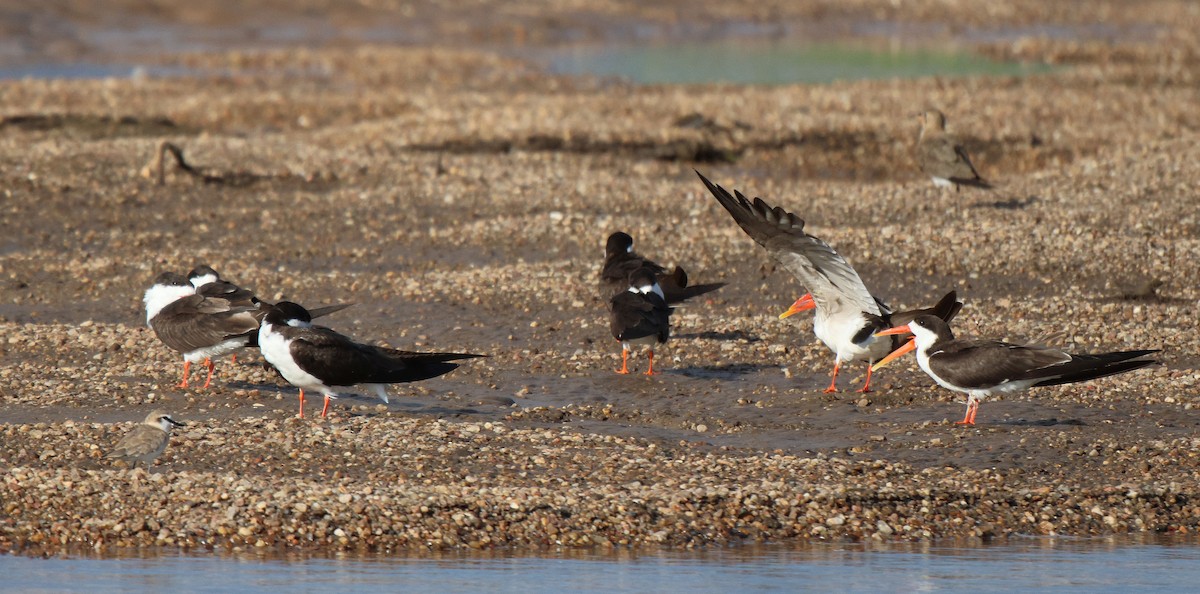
620 261
205 319
941 157
209 283
982 368
318 359
199 327
848 315
147 441
640 316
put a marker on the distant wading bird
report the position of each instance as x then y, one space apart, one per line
847 314
620 261
942 158
147 441
318 359
640 316
982 368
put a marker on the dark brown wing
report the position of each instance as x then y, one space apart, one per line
337 360
228 291
1087 366
614 276
195 322
676 289
981 364
635 316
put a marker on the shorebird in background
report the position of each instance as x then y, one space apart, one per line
942 158
847 314
318 359
982 368
147 441
640 316
620 261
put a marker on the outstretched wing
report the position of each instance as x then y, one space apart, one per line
826 274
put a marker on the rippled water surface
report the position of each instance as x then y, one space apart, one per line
1018 565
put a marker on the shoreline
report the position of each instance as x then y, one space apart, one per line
461 198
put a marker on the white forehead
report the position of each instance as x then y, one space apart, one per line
203 279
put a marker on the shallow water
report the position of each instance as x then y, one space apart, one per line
760 61
1019 564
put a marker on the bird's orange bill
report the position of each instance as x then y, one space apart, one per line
804 303
908 347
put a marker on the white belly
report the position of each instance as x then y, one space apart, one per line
277 351
646 341
217 350
837 334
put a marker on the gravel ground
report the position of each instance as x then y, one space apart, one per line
461 200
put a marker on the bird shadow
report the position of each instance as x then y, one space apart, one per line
1051 422
713 335
1013 203
410 406
729 371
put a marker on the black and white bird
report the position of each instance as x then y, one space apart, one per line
147 441
200 328
208 282
640 316
317 359
620 261
982 368
847 314
205 317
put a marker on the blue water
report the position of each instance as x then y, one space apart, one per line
1019 565
78 70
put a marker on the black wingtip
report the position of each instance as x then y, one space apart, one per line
1116 363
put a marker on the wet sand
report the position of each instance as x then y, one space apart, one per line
460 198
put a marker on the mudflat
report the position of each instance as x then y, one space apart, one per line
460 198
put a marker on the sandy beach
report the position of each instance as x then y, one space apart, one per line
460 197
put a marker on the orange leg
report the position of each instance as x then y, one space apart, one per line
325 409
650 355
209 364
234 359
624 362
187 366
867 386
833 381
969 418
301 403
